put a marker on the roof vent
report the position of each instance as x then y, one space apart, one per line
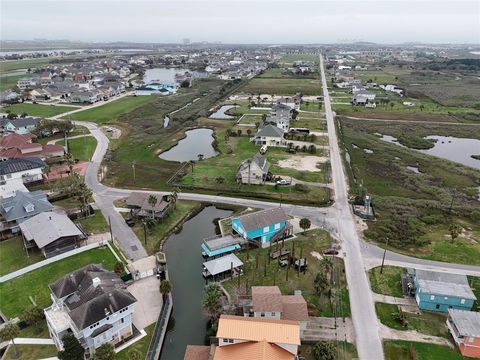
96 282
107 312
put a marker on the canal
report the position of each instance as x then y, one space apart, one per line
184 260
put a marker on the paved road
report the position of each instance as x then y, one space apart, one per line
369 344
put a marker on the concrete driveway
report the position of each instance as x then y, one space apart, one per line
149 301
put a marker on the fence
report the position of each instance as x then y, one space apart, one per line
160 330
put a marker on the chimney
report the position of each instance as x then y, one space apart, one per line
96 282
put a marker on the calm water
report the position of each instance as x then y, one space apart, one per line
455 149
167 75
184 258
198 141
220 113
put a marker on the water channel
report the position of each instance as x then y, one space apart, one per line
198 141
166 76
184 259
220 113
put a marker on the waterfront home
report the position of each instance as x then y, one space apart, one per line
221 245
52 233
19 126
221 268
138 204
253 170
439 291
464 327
269 303
27 169
93 305
270 135
155 89
263 226
20 207
240 338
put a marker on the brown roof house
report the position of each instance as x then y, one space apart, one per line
139 205
268 302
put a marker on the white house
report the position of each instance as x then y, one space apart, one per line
92 304
28 169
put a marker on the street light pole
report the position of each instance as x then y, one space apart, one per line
384 253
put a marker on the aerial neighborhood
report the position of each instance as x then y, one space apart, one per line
210 201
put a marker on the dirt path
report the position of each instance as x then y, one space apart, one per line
303 163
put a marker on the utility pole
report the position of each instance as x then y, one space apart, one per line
133 169
110 226
384 253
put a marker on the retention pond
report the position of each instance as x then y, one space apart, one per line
197 142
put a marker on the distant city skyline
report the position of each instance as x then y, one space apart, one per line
252 22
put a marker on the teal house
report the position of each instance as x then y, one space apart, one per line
263 227
439 291
220 246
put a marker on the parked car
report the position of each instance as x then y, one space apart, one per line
130 222
281 181
330 252
263 149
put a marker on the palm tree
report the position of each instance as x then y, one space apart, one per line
212 301
9 332
152 201
165 288
320 283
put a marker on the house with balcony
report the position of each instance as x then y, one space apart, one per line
263 227
240 338
270 135
92 304
254 170
464 327
440 291
269 303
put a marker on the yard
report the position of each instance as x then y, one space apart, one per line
308 244
82 148
141 345
290 58
95 224
29 352
402 350
9 81
110 113
346 350
13 256
387 283
429 323
39 110
287 86
16 292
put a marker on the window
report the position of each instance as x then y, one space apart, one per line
262 314
273 314
462 301
471 339
437 306
266 229
277 226
123 320
432 297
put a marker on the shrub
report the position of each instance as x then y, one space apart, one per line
301 188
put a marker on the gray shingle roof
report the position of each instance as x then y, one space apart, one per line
16 207
447 284
263 218
16 165
45 228
466 322
258 159
269 131
88 303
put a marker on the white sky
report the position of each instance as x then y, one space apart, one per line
247 21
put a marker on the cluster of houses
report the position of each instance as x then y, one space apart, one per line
448 293
81 82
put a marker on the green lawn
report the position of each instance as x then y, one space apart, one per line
399 350
429 323
156 234
95 224
16 292
313 240
13 256
32 331
141 345
39 110
387 283
82 148
282 86
110 112
9 81
22 64
30 352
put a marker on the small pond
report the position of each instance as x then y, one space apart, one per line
455 149
166 76
220 113
198 141
184 260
